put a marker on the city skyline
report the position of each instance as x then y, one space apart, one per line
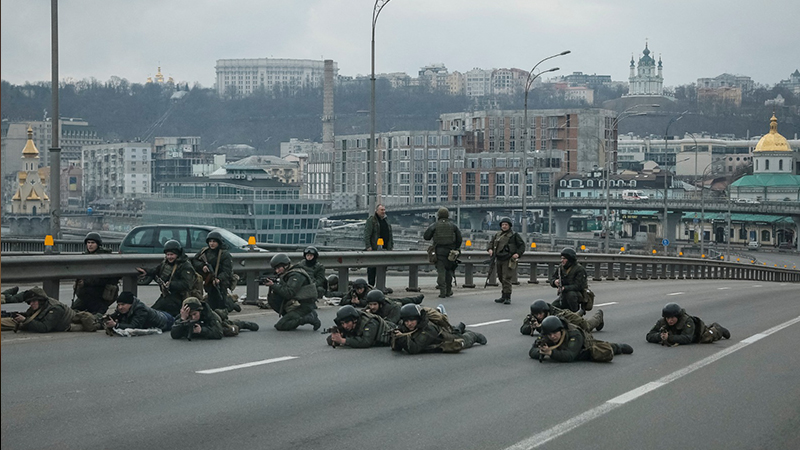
694 40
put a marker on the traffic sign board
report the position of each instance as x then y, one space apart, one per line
665 242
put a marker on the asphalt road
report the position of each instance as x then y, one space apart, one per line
80 390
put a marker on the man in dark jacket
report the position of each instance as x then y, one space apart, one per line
177 275
292 296
570 280
359 329
676 327
215 264
563 342
417 334
541 309
377 227
196 321
133 313
505 249
315 269
446 237
46 315
95 294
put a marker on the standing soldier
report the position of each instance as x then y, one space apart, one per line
359 329
505 248
95 294
215 264
446 238
676 327
292 295
315 269
377 227
175 276
418 334
570 280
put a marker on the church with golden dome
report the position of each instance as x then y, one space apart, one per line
775 170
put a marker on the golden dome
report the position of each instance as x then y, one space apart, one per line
773 141
30 150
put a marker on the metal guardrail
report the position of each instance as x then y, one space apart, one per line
50 270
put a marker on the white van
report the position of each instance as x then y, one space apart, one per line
634 195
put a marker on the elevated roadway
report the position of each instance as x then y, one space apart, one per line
288 390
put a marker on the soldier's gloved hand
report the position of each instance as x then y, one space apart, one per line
665 337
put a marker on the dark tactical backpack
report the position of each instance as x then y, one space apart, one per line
601 351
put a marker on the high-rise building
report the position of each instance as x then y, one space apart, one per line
117 171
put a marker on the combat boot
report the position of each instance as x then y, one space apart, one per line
460 328
313 320
480 339
418 299
624 349
442 293
502 299
507 301
231 304
722 330
596 322
252 326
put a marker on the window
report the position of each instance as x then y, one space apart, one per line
780 164
766 164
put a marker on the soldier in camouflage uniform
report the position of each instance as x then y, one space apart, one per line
418 334
570 280
505 248
359 329
446 236
357 295
293 295
541 309
315 269
563 342
89 290
216 262
676 327
46 315
178 276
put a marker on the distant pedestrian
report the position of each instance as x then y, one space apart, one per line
377 227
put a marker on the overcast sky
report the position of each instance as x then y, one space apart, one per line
130 39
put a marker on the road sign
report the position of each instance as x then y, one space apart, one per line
696 220
665 242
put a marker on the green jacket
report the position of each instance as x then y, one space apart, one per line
573 347
370 331
291 285
685 331
445 235
210 326
225 271
372 231
54 315
390 311
573 278
527 324
426 338
317 273
505 243
180 280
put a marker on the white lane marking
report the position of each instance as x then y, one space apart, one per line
636 393
605 304
757 285
542 438
723 288
245 365
676 293
489 323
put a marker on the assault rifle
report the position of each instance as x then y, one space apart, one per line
11 315
492 269
540 343
162 285
270 275
208 277
190 329
664 329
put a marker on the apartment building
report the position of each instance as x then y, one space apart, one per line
244 77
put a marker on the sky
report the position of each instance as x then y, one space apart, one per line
131 39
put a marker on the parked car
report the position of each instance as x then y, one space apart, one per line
753 245
151 239
786 246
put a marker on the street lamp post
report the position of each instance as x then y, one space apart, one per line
703 208
528 82
666 175
55 118
372 168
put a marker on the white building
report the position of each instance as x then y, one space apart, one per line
648 79
243 77
478 82
117 170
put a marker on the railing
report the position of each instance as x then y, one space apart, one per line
50 270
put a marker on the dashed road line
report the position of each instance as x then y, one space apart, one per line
565 427
489 323
676 293
245 365
605 304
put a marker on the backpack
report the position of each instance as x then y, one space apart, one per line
601 351
438 319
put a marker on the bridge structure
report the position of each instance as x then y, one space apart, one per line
564 208
51 270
